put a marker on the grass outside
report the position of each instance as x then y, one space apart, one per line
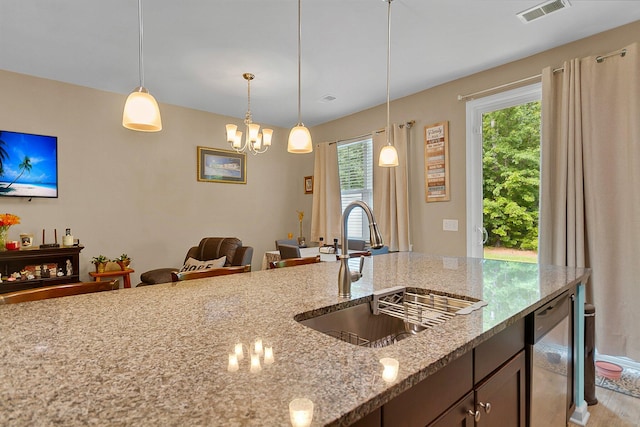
506 254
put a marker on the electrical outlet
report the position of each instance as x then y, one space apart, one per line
450 224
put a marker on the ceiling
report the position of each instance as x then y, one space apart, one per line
195 51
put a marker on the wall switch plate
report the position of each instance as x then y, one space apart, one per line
450 224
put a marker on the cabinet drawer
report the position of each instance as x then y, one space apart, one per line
492 353
421 404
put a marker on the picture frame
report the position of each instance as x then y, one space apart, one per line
216 165
308 185
436 162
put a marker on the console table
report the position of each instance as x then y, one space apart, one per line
114 273
16 261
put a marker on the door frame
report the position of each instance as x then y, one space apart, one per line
474 111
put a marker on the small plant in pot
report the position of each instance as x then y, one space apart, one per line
100 262
123 261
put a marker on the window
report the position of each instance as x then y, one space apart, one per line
355 167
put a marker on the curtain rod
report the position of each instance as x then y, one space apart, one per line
408 124
599 59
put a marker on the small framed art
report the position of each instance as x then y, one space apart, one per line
308 185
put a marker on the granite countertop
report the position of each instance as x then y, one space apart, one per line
158 355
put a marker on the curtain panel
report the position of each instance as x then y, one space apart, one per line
589 200
391 192
326 208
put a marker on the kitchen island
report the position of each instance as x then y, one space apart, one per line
159 355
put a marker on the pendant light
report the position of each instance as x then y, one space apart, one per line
141 110
388 155
299 137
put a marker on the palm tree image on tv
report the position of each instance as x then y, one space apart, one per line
28 165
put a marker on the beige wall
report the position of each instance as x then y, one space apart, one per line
125 191
441 104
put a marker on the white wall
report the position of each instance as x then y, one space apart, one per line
125 191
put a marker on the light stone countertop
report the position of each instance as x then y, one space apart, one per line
157 355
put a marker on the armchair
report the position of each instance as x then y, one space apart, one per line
209 248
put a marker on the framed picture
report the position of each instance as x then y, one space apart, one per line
215 165
308 185
436 162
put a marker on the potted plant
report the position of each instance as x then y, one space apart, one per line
100 262
123 261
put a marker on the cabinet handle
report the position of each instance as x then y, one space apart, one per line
486 406
475 415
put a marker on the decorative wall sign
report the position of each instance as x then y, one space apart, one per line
308 185
215 165
436 162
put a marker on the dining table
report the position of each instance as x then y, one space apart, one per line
271 256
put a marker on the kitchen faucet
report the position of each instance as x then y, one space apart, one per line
345 277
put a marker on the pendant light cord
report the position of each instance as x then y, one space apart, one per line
299 61
140 63
388 68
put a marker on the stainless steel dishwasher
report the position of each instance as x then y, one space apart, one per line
551 358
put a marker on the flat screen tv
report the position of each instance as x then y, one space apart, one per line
28 165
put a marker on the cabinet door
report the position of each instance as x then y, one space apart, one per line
457 415
500 398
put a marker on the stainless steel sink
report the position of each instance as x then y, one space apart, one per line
388 316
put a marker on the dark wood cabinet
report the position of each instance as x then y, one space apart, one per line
500 398
458 414
16 261
484 387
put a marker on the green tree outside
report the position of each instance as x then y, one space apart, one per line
511 176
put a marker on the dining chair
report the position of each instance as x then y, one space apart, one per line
56 291
222 271
356 244
289 251
291 242
290 262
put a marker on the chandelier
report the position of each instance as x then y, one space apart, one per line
255 142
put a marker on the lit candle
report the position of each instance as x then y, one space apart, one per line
301 412
233 363
255 363
258 347
390 371
239 352
268 355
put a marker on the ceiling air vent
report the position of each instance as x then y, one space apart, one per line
542 9
327 98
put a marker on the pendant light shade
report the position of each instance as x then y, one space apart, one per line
299 137
300 140
388 154
141 111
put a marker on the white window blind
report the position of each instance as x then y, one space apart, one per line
355 167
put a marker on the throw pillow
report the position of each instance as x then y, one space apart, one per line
194 265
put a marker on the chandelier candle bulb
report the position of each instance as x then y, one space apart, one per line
231 132
268 355
255 363
233 363
258 347
239 352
